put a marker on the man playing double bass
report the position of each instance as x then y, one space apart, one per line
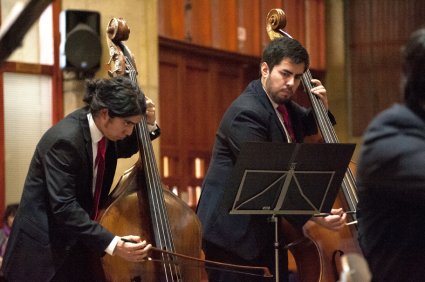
256 116
55 232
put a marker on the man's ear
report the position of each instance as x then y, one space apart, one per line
104 114
264 69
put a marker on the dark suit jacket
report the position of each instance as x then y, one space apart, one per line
53 220
391 189
251 117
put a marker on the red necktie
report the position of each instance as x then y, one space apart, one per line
286 120
100 163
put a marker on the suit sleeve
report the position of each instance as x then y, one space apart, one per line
129 146
246 127
65 177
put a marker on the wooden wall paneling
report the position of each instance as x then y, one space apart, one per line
202 154
415 12
171 18
195 181
377 31
315 33
200 23
171 168
198 107
57 77
197 84
361 65
228 86
231 77
228 79
295 18
171 88
197 99
388 61
214 23
249 27
2 147
196 96
386 41
170 78
214 109
363 93
250 71
224 24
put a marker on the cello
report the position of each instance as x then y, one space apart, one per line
140 205
316 250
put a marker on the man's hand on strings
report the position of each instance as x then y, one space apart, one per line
335 221
320 91
150 112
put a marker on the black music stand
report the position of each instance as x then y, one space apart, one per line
286 179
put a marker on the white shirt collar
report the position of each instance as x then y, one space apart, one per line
95 133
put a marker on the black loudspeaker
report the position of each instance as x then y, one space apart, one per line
80 48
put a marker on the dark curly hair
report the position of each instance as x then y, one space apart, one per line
285 47
120 95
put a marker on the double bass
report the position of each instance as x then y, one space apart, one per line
141 205
317 251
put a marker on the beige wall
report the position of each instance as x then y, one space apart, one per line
336 74
141 17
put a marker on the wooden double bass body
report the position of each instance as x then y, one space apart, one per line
130 214
316 250
140 205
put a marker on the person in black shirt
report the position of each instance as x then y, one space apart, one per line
391 178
